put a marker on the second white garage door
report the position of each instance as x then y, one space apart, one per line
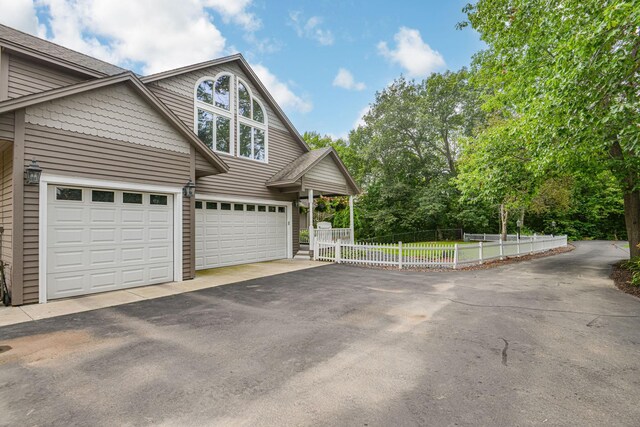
230 233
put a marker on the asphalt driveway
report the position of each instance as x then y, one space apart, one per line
549 341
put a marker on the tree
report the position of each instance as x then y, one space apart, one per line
495 168
565 76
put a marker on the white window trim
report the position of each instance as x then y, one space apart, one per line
46 180
228 199
211 108
252 123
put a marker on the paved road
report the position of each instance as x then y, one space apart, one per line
549 341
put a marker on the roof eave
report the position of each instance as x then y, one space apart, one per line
11 46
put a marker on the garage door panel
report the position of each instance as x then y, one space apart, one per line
68 236
160 234
103 235
68 215
101 246
132 216
159 217
100 257
67 259
103 279
101 216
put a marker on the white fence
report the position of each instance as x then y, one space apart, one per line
437 255
496 237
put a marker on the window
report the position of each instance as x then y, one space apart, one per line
251 208
242 132
237 207
212 205
262 209
280 209
135 198
68 194
272 208
198 205
156 199
225 206
214 117
102 196
252 141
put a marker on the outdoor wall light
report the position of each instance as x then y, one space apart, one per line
189 190
32 173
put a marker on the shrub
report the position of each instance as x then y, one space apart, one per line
633 265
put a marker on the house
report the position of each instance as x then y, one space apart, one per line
119 155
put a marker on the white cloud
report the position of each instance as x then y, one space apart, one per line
311 28
345 80
236 11
412 53
283 95
154 34
21 15
360 120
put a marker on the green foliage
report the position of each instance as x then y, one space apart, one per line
633 265
563 78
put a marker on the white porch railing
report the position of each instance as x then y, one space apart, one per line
332 235
439 255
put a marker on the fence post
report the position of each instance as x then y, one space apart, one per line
455 256
400 255
532 241
338 252
480 247
501 249
518 247
316 248
484 236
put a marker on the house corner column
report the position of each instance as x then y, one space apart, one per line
310 221
353 237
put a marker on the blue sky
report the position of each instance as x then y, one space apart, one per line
322 60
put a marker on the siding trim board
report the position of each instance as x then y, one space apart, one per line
47 180
17 294
4 75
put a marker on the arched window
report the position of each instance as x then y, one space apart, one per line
214 117
252 125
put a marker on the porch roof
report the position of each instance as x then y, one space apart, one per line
320 170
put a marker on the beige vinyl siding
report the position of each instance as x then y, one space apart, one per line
6 126
184 85
247 178
6 206
66 153
115 112
27 77
327 171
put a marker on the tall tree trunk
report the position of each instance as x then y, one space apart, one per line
631 199
632 220
504 216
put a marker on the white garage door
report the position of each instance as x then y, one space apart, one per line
238 233
101 240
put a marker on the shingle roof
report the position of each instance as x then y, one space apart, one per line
47 48
294 170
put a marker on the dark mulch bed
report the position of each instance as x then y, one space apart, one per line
622 279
